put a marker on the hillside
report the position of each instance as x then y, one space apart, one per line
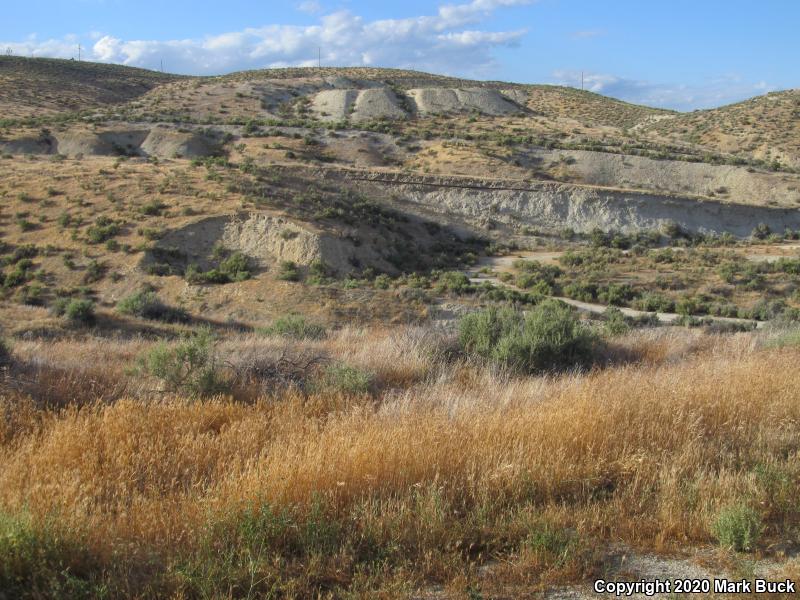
766 127
32 87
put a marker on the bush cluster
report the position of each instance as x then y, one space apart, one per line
547 338
147 305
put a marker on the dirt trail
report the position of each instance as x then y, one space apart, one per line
627 565
504 263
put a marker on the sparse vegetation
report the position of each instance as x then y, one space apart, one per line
420 416
295 327
147 305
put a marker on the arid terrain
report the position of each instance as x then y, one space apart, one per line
374 333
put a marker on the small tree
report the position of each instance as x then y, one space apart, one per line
189 366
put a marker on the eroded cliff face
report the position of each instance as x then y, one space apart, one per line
556 206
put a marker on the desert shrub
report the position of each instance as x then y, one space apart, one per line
319 273
737 527
765 310
152 208
580 290
103 230
614 322
453 281
549 337
382 282
76 310
344 379
288 271
236 267
32 295
616 294
599 238
147 305
654 302
94 271
673 230
25 225
760 231
21 252
295 327
19 274
188 366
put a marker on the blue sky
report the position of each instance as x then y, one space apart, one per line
677 54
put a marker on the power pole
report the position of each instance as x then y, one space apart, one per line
319 57
79 51
581 80
9 51
162 65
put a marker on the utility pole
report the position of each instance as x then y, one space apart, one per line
9 51
581 80
162 65
319 57
79 51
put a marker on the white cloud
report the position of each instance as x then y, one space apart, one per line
311 7
438 42
715 92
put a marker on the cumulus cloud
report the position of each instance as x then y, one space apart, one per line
711 93
441 42
312 7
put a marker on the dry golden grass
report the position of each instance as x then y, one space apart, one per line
448 466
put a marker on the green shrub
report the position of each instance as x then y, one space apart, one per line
737 527
19 274
382 282
549 337
32 295
95 271
579 290
25 225
344 379
616 294
233 268
20 253
455 282
295 327
614 322
77 310
288 271
103 230
152 208
760 231
319 273
189 366
147 305
236 267
654 302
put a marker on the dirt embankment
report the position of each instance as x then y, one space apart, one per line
556 206
160 141
265 239
386 103
731 183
